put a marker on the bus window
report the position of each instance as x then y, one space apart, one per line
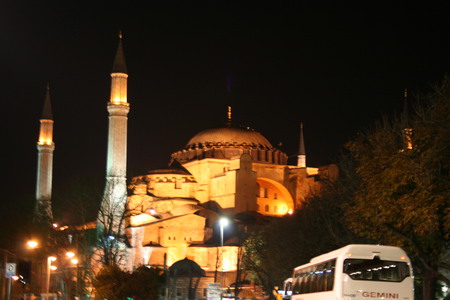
296 288
312 281
306 283
287 287
320 277
329 275
376 270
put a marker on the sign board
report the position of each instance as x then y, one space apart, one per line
10 270
213 292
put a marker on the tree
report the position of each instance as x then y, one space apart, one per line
403 198
113 283
76 204
110 283
111 247
145 283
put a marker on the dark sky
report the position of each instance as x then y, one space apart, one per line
335 68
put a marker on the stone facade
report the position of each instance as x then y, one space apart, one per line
173 213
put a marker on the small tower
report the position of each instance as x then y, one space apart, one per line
407 130
45 146
115 194
301 157
229 122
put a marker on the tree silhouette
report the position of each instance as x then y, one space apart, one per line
404 195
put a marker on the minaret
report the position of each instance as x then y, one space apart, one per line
301 157
45 146
407 130
229 122
115 194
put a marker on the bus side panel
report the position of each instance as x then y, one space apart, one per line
371 290
331 295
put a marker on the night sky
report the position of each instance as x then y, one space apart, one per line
335 68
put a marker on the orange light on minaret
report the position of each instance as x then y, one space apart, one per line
407 130
46 128
228 124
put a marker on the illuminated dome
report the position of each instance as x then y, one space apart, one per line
229 136
227 143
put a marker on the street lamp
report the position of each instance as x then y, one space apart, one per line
223 222
74 261
50 259
32 244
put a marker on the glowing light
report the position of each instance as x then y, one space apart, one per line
349 254
402 257
15 277
74 261
290 212
51 258
224 222
32 244
53 268
55 225
70 254
117 101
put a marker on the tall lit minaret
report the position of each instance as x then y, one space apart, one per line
115 194
301 157
45 146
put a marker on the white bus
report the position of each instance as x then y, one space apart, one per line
354 272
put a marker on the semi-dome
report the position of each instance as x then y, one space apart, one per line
227 143
229 136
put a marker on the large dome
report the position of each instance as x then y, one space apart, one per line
229 136
229 143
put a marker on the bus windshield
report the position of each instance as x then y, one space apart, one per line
376 269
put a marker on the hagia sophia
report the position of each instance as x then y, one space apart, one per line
173 214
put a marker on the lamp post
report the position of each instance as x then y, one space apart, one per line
74 262
222 222
48 268
50 259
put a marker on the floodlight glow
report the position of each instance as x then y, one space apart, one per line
224 222
32 244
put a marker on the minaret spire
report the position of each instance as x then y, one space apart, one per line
301 158
45 146
119 65
115 194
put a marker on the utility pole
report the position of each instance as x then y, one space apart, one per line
166 272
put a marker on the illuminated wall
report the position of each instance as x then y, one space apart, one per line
273 198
